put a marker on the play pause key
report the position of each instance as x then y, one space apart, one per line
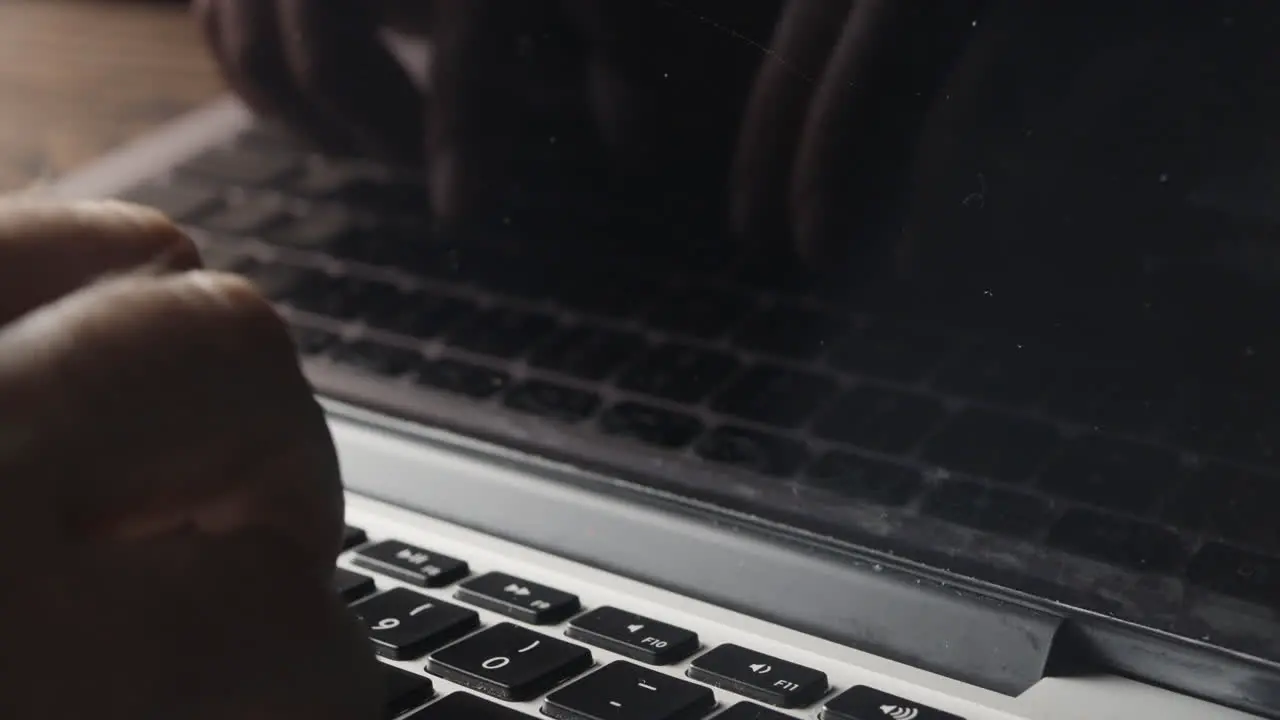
865 703
759 676
411 564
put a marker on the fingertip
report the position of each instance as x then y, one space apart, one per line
240 310
49 248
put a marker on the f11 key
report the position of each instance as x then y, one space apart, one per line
518 598
759 676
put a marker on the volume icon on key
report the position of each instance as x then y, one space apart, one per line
897 712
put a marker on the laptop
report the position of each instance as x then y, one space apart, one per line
1015 456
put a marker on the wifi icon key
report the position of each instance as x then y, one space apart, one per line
867 703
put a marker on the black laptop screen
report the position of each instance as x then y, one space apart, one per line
992 285
1011 266
989 285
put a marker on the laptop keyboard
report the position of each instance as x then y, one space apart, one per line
1123 466
543 644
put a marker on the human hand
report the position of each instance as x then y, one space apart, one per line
170 504
498 74
836 108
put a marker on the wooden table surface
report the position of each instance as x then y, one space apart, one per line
79 78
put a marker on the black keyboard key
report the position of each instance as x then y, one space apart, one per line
462 378
182 203
1228 503
1115 399
996 510
1140 402
501 332
774 396
239 167
518 598
649 425
750 711
407 247
509 662
864 703
753 451
502 271
465 706
311 342
282 283
405 625
700 312
1207 417
223 257
405 691
340 298
622 691
270 136
992 445
770 271
1238 573
679 373
862 478
411 564
368 189
888 421
882 351
319 229
1078 392
421 315
759 676
1120 541
383 360
556 402
250 216
353 536
788 332
633 636
586 352
353 586
1003 371
1111 473
1254 435
605 293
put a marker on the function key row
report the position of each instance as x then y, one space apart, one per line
514 663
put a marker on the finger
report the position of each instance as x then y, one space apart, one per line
503 75
50 249
245 37
866 114
948 164
665 75
228 628
154 405
343 68
776 112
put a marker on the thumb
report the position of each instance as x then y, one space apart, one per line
237 627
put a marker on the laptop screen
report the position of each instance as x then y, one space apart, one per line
990 286
987 285
1032 247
